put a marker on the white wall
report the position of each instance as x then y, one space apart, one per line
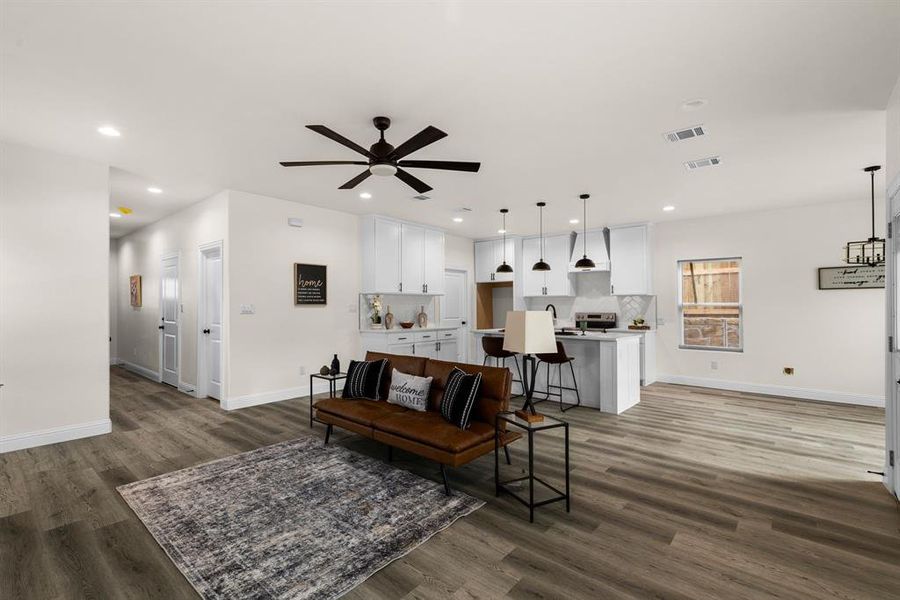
54 327
833 338
140 253
113 298
268 349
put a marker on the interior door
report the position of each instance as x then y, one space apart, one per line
892 396
169 320
412 259
455 306
211 322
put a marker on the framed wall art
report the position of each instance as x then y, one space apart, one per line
310 284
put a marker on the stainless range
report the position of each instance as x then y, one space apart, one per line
600 321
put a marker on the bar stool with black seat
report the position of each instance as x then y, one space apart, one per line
559 358
493 348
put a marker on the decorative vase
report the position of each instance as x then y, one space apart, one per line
335 365
389 319
324 370
422 318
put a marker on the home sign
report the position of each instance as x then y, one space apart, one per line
310 284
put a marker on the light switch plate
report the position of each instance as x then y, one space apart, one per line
248 309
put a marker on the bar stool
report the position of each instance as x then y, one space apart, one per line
493 348
559 358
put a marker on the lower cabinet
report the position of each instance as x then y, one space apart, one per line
440 344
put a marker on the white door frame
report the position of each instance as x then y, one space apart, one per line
892 362
465 332
202 376
168 256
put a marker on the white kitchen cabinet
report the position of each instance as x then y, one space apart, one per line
438 342
555 282
629 250
489 256
401 258
448 350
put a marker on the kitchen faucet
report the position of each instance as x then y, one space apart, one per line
552 309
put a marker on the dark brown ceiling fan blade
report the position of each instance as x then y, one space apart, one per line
429 135
314 163
356 180
446 165
333 135
413 182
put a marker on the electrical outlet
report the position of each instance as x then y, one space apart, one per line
788 370
302 370
714 365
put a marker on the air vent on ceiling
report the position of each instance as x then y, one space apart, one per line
421 197
685 134
464 209
712 161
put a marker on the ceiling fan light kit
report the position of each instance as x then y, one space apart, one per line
504 268
385 160
584 262
871 251
541 265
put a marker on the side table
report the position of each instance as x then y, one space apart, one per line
332 389
530 428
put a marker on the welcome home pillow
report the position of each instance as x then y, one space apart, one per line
409 391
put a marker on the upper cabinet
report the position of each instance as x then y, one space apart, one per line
629 257
555 282
401 258
488 256
595 248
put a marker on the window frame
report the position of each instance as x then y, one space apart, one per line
739 304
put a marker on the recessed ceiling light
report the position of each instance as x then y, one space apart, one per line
457 219
365 195
501 231
694 104
573 221
154 190
668 208
116 215
109 131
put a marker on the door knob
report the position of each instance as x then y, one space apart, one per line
206 331
161 327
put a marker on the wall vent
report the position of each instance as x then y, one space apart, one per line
421 197
685 134
712 161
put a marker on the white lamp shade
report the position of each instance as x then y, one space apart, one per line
529 332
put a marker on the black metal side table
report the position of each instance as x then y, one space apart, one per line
332 389
530 428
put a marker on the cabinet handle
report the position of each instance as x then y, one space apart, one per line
612 289
438 347
401 286
401 339
426 288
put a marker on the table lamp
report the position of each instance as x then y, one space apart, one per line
529 332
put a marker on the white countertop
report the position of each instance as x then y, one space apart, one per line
590 336
398 329
637 331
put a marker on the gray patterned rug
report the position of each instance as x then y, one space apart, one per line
293 520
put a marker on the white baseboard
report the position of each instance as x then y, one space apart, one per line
187 388
238 402
775 390
113 361
142 371
54 435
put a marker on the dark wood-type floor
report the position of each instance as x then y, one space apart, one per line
692 494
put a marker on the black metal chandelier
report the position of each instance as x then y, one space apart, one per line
504 268
871 251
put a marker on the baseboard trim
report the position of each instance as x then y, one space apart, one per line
249 400
54 435
142 371
774 390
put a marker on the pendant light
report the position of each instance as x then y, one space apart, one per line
541 265
871 251
504 268
584 262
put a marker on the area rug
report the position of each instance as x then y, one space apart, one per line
293 520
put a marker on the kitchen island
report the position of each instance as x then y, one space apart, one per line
607 368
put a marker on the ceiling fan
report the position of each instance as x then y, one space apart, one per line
386 160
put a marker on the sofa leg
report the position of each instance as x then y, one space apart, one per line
506 450
327 433
446 484
390 453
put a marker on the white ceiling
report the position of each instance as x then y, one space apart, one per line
553 98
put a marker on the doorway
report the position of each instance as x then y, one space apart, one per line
455 307
210 319
892 390
169 317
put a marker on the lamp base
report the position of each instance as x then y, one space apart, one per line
530 418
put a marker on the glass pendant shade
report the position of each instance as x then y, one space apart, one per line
504 268
871 251
541 265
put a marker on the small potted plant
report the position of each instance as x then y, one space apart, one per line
375 317
638 323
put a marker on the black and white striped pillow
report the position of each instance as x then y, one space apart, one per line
460 394
364 379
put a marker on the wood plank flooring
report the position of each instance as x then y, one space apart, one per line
691 494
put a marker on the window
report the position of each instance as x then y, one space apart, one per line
709 307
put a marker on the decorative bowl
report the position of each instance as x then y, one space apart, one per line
406 324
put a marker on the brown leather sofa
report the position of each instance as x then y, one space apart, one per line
426 434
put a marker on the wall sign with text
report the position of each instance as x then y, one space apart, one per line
851 277
310 284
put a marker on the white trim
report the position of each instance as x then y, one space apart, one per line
892 190
142 371
54 435
774 390
187 388
319 387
